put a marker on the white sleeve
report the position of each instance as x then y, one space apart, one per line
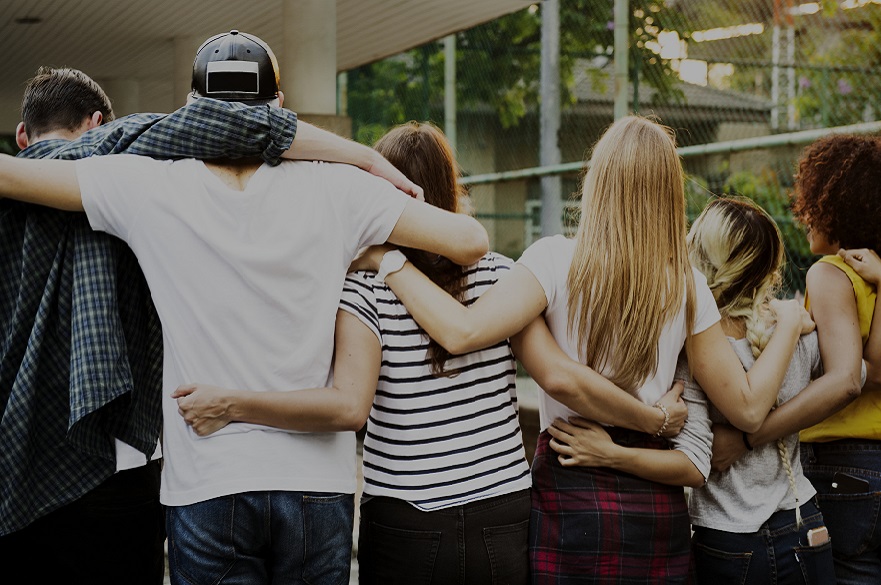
114 187
367 207
706 312
540 258
696 437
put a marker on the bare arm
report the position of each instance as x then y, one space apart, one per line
587 392
584 443
503 310
343 407
456 236
868 266
834 310
52 183
745 398
313 143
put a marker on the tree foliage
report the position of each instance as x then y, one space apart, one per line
498 65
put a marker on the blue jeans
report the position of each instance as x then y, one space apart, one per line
479 543
854 520
777 554
262 537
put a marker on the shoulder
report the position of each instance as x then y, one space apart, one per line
828 278
548 249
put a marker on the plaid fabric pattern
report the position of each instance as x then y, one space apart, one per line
600 526
80 342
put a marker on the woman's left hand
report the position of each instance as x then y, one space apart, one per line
581 442
203 407
865 262
728 446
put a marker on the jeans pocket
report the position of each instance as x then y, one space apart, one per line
201 547
850 519
816 563
393 555
508 554
328 526
718 566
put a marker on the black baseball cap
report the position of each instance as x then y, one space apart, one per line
235 67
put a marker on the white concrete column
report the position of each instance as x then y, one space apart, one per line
308 58
184 54
124 94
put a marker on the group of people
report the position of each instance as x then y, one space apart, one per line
300 299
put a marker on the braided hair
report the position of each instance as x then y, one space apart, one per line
739 248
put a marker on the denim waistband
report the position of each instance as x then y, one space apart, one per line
842 445
786 518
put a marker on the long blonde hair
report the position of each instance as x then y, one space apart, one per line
630 271
739 248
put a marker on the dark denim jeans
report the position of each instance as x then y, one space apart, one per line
778 554
480 543
262 537
854 520
113 534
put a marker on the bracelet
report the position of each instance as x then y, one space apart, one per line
746 441
666 418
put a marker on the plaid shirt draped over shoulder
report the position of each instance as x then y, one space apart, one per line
80 341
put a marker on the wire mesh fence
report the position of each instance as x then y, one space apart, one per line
714 70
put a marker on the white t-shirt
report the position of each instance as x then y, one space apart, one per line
549 260
246 285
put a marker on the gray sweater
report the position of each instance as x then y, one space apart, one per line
743 497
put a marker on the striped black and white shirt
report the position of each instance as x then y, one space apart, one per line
438 441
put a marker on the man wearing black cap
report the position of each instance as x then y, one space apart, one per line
80 366
245 263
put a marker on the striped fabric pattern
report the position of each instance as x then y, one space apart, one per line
438 441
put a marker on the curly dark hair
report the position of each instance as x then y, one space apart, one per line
838 190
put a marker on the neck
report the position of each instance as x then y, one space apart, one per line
235 173
54 135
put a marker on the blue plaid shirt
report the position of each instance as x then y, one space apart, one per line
80 341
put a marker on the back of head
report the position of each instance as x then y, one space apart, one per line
236 67
61 99
838 190
739 248
422 153
630 269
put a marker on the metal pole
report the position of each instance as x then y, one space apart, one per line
549 139
729 146
450 89
622 34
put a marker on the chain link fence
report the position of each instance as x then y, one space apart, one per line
714 70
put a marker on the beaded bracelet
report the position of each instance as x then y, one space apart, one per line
666 418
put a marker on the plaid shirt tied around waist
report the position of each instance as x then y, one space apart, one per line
80 341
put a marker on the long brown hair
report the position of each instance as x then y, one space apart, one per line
630 272
422 153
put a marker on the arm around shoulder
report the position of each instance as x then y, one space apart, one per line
457 236
52 183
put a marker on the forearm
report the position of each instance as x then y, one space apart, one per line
579 387
313 143
506 308
309 410
818 401
766 376
667 467
43 182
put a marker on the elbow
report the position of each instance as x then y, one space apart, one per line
352 419
694 479
749 420
473 244
461 341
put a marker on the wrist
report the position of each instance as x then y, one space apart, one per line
653 420
392 261
666 419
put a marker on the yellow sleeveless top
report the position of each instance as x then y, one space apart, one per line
861 419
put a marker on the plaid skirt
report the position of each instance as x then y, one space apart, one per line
598 525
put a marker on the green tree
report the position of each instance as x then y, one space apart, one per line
498 65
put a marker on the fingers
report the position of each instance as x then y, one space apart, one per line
184 390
